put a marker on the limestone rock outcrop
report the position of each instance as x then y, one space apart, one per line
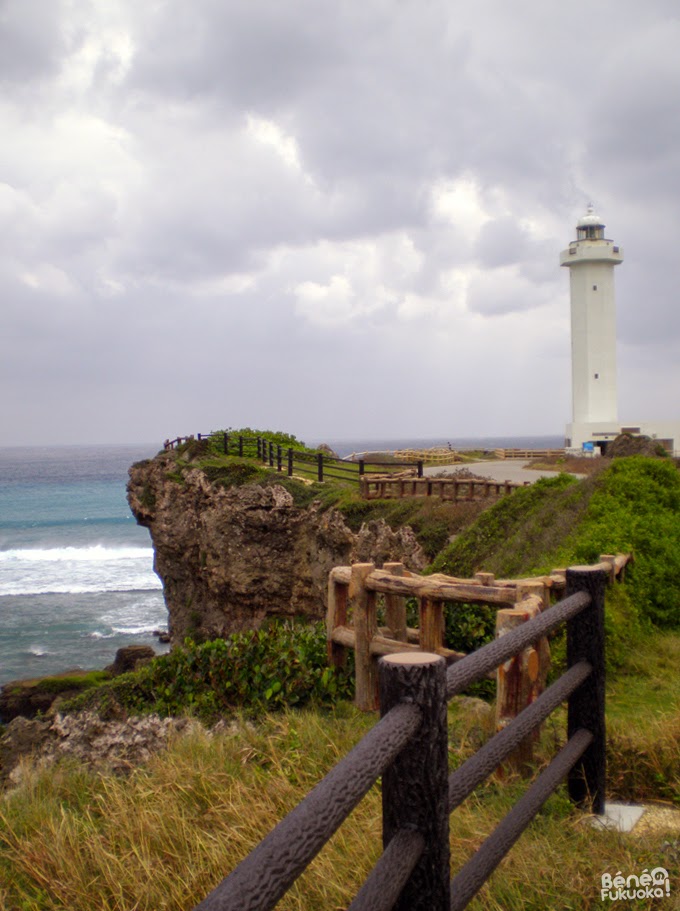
113 745
230 557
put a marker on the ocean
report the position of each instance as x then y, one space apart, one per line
76 571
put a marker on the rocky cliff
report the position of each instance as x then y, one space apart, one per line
231 556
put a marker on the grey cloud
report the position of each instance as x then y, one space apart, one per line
31 40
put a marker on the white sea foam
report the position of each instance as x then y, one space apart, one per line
77 570
38 651
96 553
134 630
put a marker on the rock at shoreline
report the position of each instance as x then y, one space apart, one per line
28 698
128 657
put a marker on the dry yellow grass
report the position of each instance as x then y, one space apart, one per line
164 837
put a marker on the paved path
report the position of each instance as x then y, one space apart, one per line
497 470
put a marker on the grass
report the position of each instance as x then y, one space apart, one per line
163 837
643 722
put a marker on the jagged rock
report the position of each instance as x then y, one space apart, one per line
377 543
117 746
22 737
626 444
127 657
325 448
229 557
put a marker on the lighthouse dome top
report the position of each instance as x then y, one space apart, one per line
590 219
590 226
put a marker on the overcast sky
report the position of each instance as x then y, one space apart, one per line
339 218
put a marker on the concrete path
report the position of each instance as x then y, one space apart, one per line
497 470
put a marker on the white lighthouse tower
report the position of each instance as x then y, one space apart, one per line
591 259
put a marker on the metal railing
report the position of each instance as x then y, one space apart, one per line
408 747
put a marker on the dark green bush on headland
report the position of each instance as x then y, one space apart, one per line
633 506
636 508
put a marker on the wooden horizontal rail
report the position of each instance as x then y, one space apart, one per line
384 645
260 880
423 587
452 488
528 453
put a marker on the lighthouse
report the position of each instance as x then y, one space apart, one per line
591 259
595 423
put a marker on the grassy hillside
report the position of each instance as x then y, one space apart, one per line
633 506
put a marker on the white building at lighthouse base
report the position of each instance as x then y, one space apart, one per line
594 436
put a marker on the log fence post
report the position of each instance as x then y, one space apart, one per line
395 606
431 622
362 604
585 641
414 784
336 616
521 679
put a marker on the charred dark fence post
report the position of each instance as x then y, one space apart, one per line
420 468
585 642
290 463
240 447
319 465
279 457
416 784
362 467
259 447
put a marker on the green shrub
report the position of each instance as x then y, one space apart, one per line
508 536
283 664
232 472
635 508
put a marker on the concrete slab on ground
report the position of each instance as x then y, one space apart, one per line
496 470
619 817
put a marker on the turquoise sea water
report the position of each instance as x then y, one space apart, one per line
76 571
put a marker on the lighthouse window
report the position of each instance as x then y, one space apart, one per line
594 287
597 376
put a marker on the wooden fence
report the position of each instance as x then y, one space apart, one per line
318 465
528 453
413 872
452 488
352 623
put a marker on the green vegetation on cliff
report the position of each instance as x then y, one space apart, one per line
633 506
